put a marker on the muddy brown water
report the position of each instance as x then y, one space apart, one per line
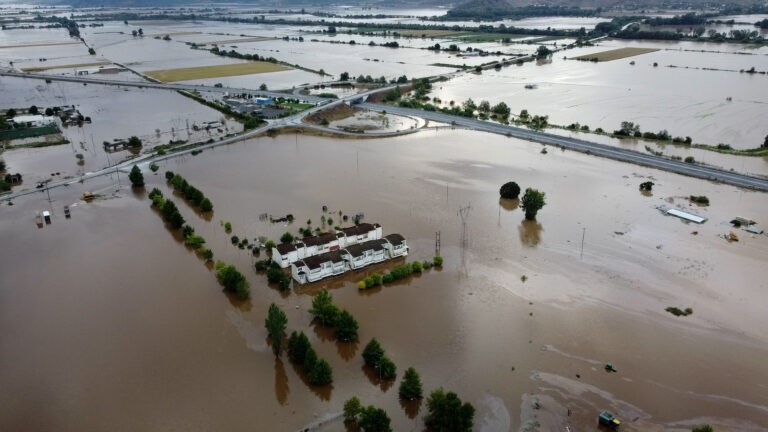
109 322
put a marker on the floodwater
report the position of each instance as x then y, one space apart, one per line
686 100
155 116
109 322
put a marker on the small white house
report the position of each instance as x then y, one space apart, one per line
366 253
396 245
33 120
316 245
285 254
314 268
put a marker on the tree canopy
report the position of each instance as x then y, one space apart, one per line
509 190
323 308
410 386
136 177
532 202
275 324
446 413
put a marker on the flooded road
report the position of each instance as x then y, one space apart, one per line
107 321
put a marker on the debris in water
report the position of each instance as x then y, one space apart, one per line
609 368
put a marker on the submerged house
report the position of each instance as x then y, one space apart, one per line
314 268
396 246
362 254
285 254
360 233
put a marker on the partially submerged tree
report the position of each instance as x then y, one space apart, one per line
410 386
532 202
646 186
275 324
136 177
446 413
509 190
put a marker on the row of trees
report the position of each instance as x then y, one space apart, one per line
375 357
193 195
167 209
317 370
232 280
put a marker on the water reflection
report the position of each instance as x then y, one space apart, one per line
324 333
509 204
530 232
375 379
323 392
281 382
347 350
411 407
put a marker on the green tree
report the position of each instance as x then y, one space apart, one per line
275 324
286 238
501 109
232 280
206 205
532 202
352 408
269 245
374 419
2 165
263 87
765 142
298 345
320 373
34 110
344 76
509 190
49 111
410 386
91 51
134 142
136 177
372 353
446 413
323 308
704 428
346 327
10 113
171 214
484 106
386 368
543 52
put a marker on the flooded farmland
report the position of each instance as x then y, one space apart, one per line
109 314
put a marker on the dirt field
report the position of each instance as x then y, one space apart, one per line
202 72
67 66
616 54
339 112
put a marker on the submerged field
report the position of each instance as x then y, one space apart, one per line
519 318
203 72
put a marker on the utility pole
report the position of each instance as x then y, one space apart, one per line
437 243
464 214
583 234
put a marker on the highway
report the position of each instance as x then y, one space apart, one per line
166 86
624 155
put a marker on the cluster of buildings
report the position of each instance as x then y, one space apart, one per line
331 254
111 69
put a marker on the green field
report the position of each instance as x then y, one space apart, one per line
13 134
217 71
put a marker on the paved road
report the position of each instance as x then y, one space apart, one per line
165 86
679 167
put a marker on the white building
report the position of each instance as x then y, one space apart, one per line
314 268
366 253
360 233
285 254
33 120
396 245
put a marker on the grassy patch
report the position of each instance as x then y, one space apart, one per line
616 54
760 151
299 106
13 134
202 72
67 66
339 112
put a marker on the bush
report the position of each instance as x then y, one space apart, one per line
509 190
416 267
700 199
269 245
169 175
361 285
232 280
286 238
387 278
227 227
352 409
372 353
386 368
690 160
438 261
234 239
679 312
206 205
410 387
207 254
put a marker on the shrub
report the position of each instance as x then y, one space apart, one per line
416 267
509 190
232 280
387 278
169 175
690 159
410 387
234 239
227 227
269 245
274 275
438 261
206 205
679 312
386 368
286 238
372 353
207 254
361 285
700 199
194 241
352 409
